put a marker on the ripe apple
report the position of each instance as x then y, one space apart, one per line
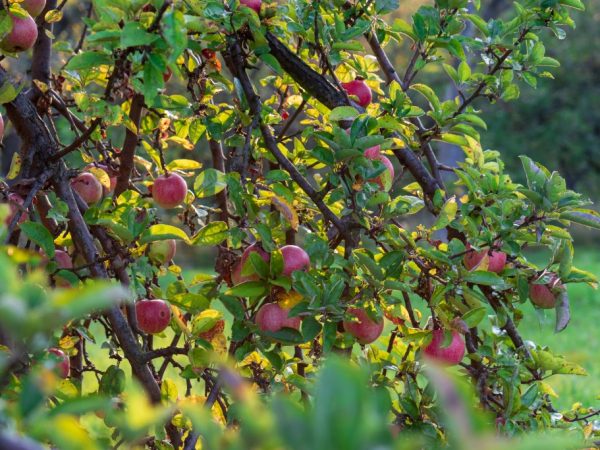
63 366
113 178
34 7
450 355
544 295
236 272
169 191
153 316
272 317
14 202
161 252
365 330
360 90
294 258
386 178
496 260
22 36
254 4
88 187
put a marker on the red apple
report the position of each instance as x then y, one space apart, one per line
294 258
161 252
450 355
109 172
167 75
272 317
63 366
254 4
169 191
545 295
359 89
34 7
496 260
14 203
236 272
88 187
365 330
22 36
153 316
386 178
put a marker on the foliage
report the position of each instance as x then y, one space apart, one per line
288 161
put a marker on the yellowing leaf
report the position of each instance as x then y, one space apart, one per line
15 167
286 210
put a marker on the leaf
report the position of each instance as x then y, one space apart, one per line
15 166
161 232
343 113
586 217
8 92
133 35
576 4
447 214
89 60
486 278
40 235
248 289
563 314
286 210
209 182
536 177
429 94
112 382
212 234
184 164
285 335
474 316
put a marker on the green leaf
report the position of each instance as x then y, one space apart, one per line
40 235
343 113
212 234
536 175
209 182
161 232
577 4
587 217
447 214
486 278
285 335
248 289
133 35
429 94
89 60
474 316
112 382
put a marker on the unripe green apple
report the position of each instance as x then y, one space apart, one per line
161 252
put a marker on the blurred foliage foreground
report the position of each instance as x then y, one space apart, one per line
328 323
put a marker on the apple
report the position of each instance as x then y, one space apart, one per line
294 258
34 7
22 36
236 272
360 90
386 178
161 252
113 178
496 260
15 201
253 4
167 75
88 187
63 366
169 190
208 53
63 259
544 295
450 355
272 317
153 316
365 330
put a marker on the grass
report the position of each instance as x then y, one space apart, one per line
579 343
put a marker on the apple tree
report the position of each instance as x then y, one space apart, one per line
275 151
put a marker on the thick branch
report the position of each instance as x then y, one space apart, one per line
131 141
